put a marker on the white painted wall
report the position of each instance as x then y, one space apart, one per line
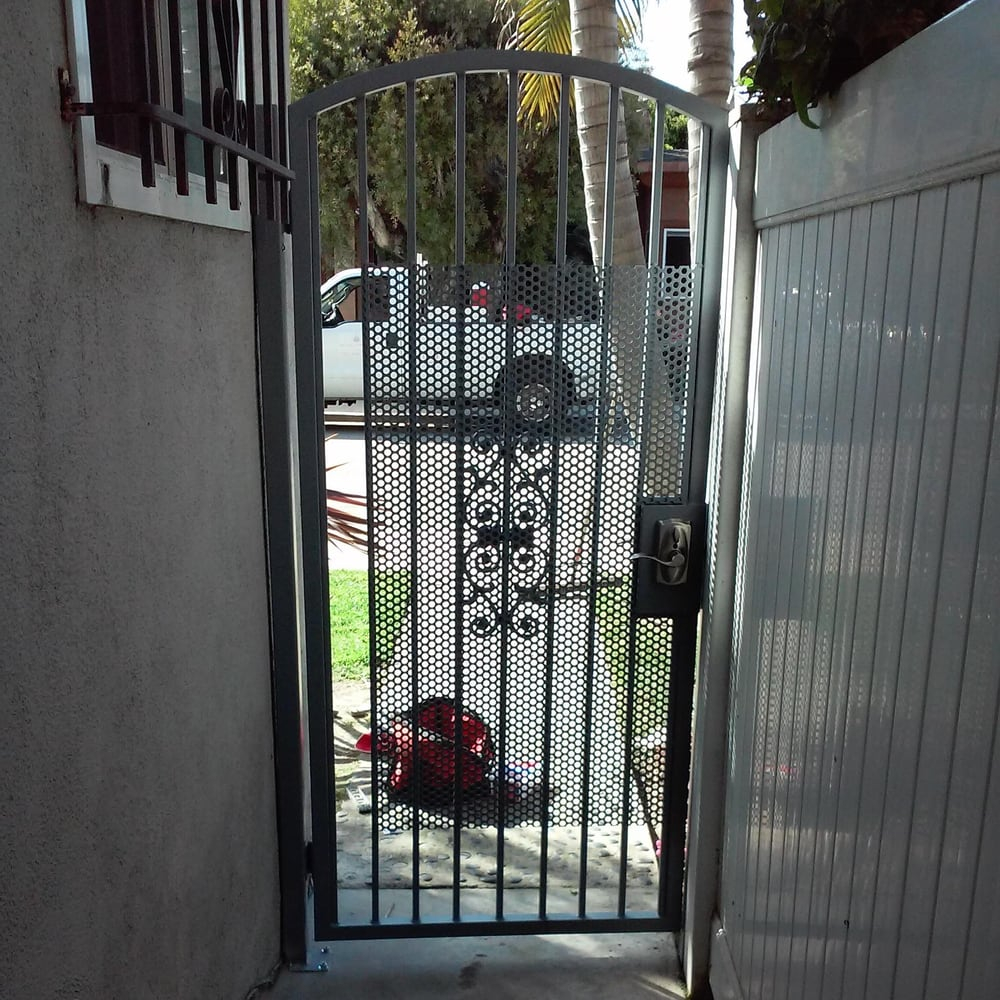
137 827
861 852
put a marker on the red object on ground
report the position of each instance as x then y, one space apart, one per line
522 313
435 727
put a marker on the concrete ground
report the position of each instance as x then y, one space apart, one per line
572 966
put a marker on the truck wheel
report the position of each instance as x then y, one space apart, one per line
538 394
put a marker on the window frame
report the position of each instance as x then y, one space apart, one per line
111 178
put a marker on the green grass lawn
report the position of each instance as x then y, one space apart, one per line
349 644
652 665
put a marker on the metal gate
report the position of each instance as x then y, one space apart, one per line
536 448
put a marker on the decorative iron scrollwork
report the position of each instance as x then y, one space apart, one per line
507 500
229 113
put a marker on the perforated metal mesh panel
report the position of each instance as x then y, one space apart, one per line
509 421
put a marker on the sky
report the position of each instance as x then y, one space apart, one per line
665 31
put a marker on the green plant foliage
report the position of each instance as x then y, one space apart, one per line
331 39
349 632
675 129
544 26
805 49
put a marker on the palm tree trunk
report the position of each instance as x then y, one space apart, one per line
594 34
710 75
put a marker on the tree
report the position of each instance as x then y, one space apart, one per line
710 75
595 29
332 39
805 49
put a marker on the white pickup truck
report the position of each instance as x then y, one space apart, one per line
527 376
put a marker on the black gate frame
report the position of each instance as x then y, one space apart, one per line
315 777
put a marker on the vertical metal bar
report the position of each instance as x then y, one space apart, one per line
361 120
656 187
205 68
610 169
509 444
409 342
460 155
627 767
511 236
562 186
642 430
675 801
316 605
249 74
603 411
562 183
150 86
555 429
267 122
411 175
707 304
280 47
277 473
461 286
223 35
177 94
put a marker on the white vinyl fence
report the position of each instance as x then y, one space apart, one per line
861 846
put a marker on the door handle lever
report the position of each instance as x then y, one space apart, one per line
673 550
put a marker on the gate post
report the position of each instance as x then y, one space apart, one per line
729 420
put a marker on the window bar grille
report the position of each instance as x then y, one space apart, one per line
266 98
249 82
280 41
152 118
177 88
224 103
205 67
149 81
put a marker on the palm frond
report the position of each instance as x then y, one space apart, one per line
630 20
537 26
342 526
544 26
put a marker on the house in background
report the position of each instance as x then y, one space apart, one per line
674 235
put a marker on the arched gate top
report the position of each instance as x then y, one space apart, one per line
506 61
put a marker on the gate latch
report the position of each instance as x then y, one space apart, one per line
668 557
673 550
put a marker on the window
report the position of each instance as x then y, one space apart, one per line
339 302
168 114
676 247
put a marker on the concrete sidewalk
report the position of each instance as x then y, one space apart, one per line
572 966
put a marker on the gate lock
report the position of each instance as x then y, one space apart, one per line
673 549
668 556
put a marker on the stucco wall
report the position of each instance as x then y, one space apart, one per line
137 829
